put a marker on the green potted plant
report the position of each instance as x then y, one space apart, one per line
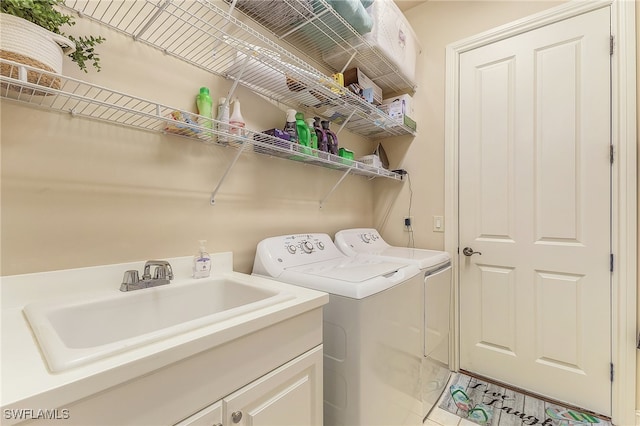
47 15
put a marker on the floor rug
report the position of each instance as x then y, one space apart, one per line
490 404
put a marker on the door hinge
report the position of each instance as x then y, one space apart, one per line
611 262
611 45
611 371
611 153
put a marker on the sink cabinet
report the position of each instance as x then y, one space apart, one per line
210 416
273 376
289 395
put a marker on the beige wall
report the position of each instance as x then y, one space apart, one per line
77 192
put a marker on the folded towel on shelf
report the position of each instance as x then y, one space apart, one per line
277 15
354 12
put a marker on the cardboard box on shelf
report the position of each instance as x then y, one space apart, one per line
404 102
395 111
354 75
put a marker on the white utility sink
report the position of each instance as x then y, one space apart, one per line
73 332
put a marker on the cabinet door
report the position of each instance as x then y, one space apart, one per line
210 416
288 396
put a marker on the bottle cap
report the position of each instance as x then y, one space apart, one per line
204 90
291 115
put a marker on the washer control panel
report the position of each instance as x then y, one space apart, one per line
360 240
303 244
369 237
275 254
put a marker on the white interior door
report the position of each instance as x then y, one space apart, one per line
534 199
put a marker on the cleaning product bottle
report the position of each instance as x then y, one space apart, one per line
236 122
304 137
290 126
323 144
205 106
313 137
202 262
332 138
223 118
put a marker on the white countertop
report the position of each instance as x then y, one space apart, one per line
28 383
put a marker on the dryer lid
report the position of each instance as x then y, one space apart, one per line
421 257
350 270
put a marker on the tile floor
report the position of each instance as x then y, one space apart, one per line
440 417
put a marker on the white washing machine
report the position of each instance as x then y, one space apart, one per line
371 328
366 243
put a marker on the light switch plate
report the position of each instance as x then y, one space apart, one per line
438 224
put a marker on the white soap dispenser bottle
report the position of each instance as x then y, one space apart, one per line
202 262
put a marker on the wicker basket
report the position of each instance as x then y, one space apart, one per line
27 43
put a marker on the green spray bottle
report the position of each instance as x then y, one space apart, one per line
304 136
313 138
205 105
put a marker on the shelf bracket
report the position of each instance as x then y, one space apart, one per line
232 7
344 175
346 121
226 172
355 52
151 20
237 78
306 22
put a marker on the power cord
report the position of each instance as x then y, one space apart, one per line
412 242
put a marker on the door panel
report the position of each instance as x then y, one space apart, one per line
535 201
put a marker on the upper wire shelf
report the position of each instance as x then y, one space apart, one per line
315 28
207 35
40 88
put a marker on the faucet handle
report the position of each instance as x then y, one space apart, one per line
162 272
163 265
130 277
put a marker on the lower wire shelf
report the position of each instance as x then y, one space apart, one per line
43 89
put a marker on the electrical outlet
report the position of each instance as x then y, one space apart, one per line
438 224
407 221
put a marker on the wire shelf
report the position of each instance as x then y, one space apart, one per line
44 89
207 35
315 28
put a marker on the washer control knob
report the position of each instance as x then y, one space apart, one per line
307 246
320 245
292 249
366 238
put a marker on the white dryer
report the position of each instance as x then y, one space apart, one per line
371 328
366 243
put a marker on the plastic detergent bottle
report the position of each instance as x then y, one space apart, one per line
290 126
332 138
236 122
205 106
202 262
323 143
313 137
223 118
304 137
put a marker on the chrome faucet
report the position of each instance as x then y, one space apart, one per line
163 274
